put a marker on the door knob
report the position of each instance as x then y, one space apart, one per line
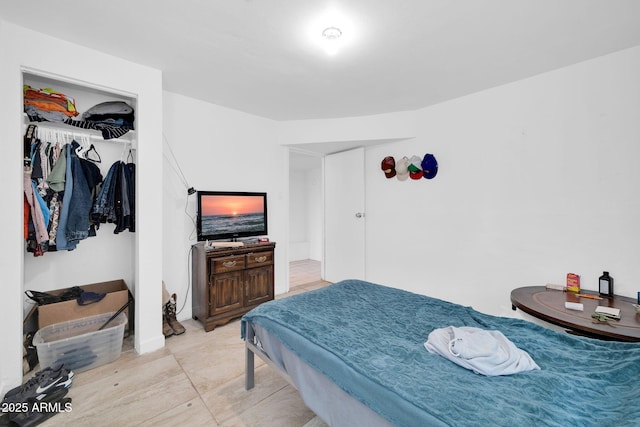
359 214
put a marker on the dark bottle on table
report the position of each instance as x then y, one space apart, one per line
606 284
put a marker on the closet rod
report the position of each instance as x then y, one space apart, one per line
52 128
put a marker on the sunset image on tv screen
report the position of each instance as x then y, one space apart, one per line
223 214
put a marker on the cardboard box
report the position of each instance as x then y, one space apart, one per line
117 295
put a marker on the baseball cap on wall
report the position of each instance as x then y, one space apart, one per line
402 169
415 172
429 166
388 165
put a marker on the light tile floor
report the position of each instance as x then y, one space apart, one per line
304 271
197 379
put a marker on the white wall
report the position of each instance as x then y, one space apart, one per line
363 128
219 149
536 179
25 48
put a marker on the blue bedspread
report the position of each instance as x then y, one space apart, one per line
368 339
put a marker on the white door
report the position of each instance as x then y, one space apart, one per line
344 215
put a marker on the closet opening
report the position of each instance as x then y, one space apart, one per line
101 133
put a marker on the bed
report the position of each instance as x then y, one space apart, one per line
355 351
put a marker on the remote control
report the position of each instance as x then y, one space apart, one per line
574 306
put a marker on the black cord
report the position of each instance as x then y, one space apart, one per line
190 190
186 297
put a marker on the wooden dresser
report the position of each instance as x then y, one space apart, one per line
228 282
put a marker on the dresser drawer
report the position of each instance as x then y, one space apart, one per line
256 259
225 264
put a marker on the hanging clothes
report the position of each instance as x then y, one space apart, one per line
116 201
37 217
27 214
61 236
102 210
65 197
59 189
131 168
54 208
94 181
57 176
80 201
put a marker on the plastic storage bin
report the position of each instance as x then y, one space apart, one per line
79 344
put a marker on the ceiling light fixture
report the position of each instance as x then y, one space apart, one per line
330 38
332 33
332 30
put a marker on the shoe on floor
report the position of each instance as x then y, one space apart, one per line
48 385
167 331
171 316
41 410
41 383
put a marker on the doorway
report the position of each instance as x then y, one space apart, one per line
326 215
305 217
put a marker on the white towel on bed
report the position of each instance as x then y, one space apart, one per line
484 352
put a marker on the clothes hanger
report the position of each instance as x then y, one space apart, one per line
124 150
83 144
92 148
130 156
44 134
81 148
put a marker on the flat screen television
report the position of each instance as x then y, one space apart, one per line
231 215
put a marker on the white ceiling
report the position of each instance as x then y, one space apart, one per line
256 55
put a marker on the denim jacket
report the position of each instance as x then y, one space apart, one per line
80 206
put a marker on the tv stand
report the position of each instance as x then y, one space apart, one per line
227 282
